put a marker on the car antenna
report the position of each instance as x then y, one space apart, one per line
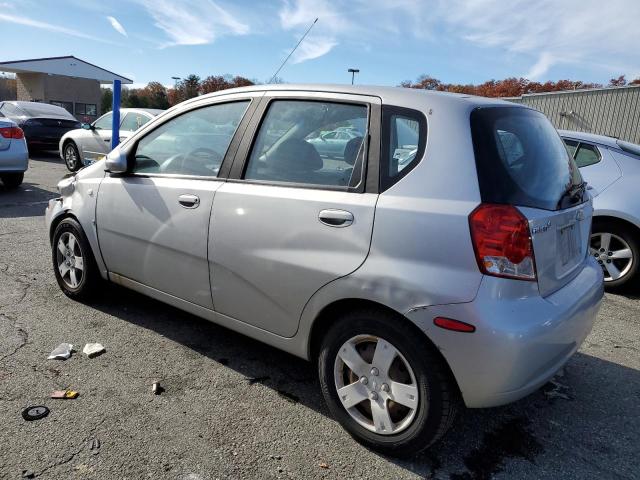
291 53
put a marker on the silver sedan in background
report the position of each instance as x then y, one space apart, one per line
611 169
85 145
14 156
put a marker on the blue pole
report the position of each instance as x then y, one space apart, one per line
115 108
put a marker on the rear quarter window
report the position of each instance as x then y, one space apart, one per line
520 158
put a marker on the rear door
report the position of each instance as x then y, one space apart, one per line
153 222
288 221
522 161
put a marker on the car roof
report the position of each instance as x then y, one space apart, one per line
590 137
390 95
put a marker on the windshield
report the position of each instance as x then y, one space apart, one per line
44 109
521 159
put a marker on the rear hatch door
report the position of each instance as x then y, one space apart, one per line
522 161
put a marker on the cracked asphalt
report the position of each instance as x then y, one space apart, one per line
234 408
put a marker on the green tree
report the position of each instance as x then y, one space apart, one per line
106 100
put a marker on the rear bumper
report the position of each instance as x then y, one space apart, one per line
15 159
521 339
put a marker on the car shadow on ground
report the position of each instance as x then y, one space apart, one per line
50 156
478 446
28 200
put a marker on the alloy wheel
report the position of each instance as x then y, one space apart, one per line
613 254
70 260
376 384
70 157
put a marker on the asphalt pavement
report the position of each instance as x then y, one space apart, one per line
234 408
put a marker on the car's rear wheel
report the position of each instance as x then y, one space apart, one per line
12 180
73 262
71 157
385 384
617 251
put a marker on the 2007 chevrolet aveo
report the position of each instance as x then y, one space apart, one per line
441 259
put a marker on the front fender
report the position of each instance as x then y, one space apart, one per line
81 205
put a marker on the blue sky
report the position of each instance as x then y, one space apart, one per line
388 40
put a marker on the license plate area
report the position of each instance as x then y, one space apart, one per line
569 243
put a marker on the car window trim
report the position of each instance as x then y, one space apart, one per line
372 147
389 111
248 114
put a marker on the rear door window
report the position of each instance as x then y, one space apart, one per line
299 143
521 159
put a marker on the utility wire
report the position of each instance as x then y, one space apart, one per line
294 49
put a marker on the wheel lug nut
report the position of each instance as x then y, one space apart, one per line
610 253
374 396
602 249
364 380
608 261
374 372
384 387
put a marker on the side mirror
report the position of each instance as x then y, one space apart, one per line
87 126
117 161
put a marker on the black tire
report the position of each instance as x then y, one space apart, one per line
89 283
432 418
12 180
632 240
70 152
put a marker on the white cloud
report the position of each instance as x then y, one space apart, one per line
29 22
576 32
544 33
313 47
117 26
193 22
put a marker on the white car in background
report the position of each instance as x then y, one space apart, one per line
90 143
14 156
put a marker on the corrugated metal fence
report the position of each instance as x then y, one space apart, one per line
604 111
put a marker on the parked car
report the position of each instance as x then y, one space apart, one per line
43 124
14 156
332 144
85 145
611 168
474 282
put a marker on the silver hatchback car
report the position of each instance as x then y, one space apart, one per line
456 270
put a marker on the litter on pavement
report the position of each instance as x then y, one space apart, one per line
93 349
156 388
94 446
35 413
61 352
65 394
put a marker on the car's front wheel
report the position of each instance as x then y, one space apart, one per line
73 263
617 250
384 383
71 157
12 180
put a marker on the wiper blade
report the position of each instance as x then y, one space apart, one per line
574 193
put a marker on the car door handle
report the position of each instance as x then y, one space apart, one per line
336 218
189 201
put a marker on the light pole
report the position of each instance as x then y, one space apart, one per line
353 72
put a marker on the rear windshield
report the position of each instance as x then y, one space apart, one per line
44 109
520 158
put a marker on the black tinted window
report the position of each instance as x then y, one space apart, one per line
520 158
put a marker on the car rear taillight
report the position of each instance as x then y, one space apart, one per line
502 242
12 132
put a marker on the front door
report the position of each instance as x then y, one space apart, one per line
153 223
289 221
